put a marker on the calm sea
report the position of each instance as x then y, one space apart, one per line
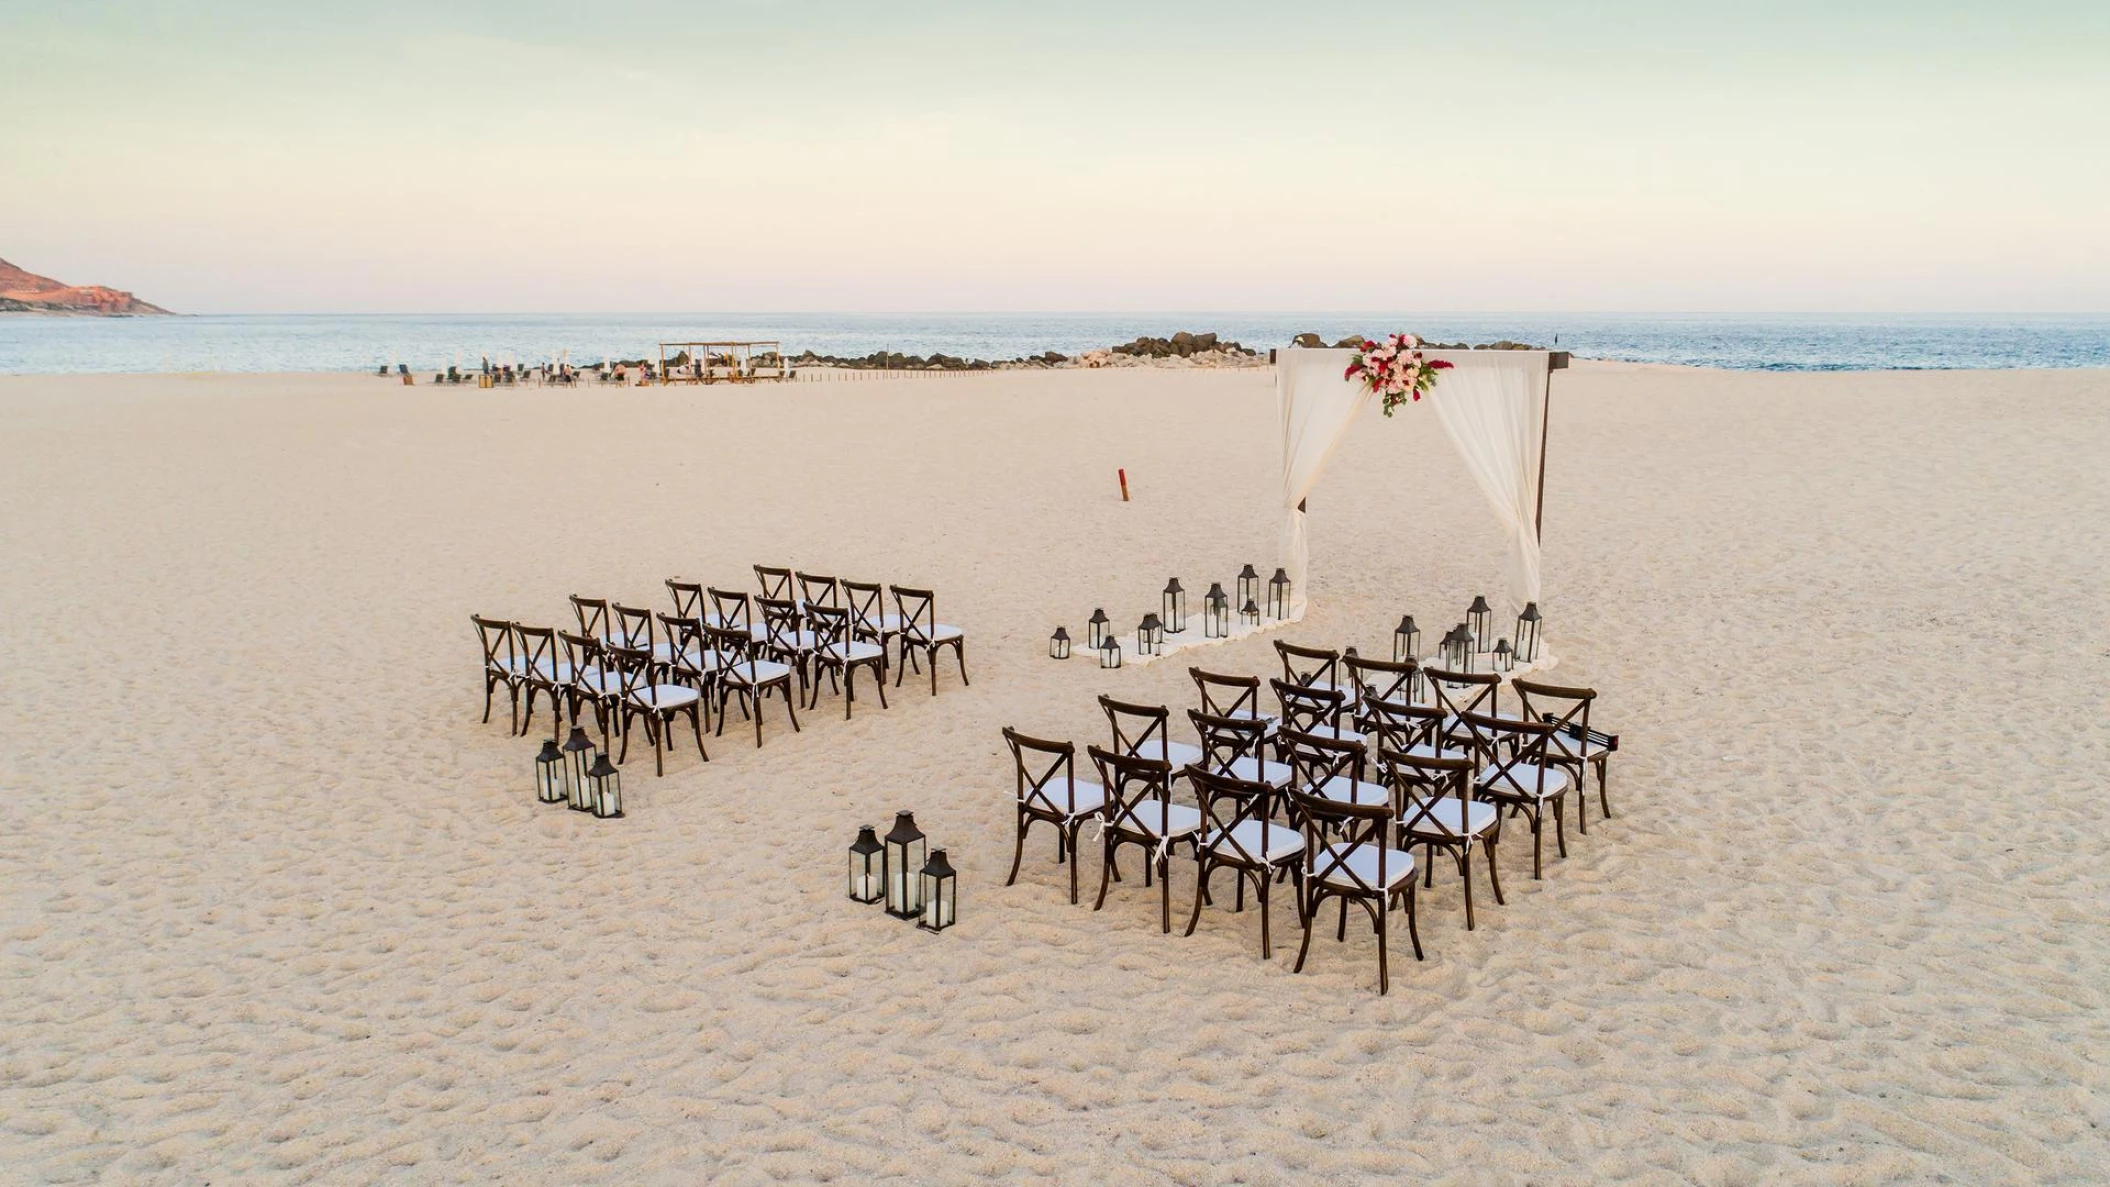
428 342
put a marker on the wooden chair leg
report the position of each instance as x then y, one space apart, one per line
1310 912
1602 801
1465 873
1106 866
1201 887
1267 947
790 711
1018 854
879 682
959 651
1413 928
1494 870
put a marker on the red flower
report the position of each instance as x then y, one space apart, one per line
1439 365
1353 370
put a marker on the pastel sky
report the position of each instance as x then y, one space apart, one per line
237 156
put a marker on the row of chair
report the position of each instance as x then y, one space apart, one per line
715 646
1333 791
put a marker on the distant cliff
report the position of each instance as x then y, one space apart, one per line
26 292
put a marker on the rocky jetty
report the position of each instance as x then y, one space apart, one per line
26 292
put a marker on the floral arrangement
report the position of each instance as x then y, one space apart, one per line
1395 369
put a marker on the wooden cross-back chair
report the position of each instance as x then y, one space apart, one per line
785 638
1384 680
744 673
1236 748
836 652
816 590
501 666
658 703
690 602
1239 834
1406 728
776 583
921 632
1573 744
1049 790
634 628
594 620
731 610
1312 709
1144 731
1459 693
542 671
1139 811
1437 810
592 681
1225 695
869 620
1516 772
691 659
1358 865
1314 667
1331 768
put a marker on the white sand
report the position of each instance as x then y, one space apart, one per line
276 907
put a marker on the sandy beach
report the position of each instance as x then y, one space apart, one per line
278 908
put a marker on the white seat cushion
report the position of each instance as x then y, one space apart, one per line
1427 750
1179 754
1255 840
596 682
1442 819
1161 820
695 660
1576 748
1343 790
853 652
1255 770
795 641
939 633
1525 779
760 671
665 696
1071 799
1361 862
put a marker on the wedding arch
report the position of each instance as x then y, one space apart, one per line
1492 404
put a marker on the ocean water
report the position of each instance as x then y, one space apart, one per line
431 342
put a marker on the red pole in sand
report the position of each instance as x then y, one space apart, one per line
1124 484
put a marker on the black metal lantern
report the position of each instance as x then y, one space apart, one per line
1216 612
1110 652
1476 621
1175 607
904 856
604 786
867 867
1059 644
1406 641
1248 586
1453 650
550 783
1505 659
1150 636
1528 634
941 893
578 755
1249 614
1095 629
1278 595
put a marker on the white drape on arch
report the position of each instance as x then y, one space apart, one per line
1491 405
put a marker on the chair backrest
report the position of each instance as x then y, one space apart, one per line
830 626
1225 740
730 606
736 650
1308 665
581 652
1139 730
1524 743
816 590
1382 679
633 627
1459 693
918 611
1334 829
1566 709
538 652
1227 696
1398 725
1318 760
867 605
776 583
688 598
1420 782
1227 802
1309 710
1130 783
593 615
1047 773
633 669
781 621
496 637
684 636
